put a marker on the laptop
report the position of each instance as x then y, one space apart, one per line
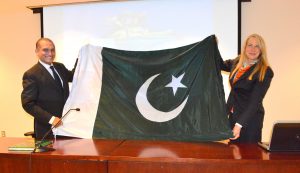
285 137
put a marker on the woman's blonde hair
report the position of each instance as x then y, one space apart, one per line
262 63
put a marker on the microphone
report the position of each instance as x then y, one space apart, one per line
42 145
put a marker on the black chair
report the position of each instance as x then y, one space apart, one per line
30 133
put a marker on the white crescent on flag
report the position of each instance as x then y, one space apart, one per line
148 111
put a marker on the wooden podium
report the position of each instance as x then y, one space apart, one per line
138 156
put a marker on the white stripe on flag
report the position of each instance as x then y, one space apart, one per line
85 94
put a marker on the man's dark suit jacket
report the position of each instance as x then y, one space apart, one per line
246 97
42 97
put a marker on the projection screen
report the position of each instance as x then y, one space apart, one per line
141 25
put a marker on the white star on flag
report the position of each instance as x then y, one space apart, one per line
175 84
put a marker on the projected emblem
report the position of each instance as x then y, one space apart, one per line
148 111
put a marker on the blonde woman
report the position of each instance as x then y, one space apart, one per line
250 77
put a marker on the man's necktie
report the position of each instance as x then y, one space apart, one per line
56 77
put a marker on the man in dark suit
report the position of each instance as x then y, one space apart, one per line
45 89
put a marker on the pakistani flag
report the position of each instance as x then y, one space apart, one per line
171 94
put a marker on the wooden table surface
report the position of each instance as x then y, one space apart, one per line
99 155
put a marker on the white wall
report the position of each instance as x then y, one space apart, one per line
18 33
277 21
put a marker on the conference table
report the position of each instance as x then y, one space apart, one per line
140 156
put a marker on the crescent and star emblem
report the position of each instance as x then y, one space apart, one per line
148 111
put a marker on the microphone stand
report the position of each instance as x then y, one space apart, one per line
38 146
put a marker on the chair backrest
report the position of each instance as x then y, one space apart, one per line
30 133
